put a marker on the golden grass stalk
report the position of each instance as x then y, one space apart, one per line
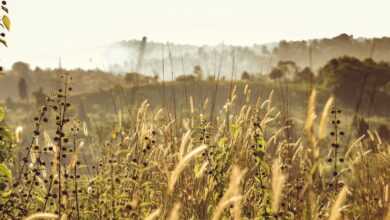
175 214
311 114
270 100
232 194
18 134
278 180
378 137
64 217
192 111
335 212
85 129
324 118
387 216
202 170
206 102
181 165
355 143
158 114
153 215
41 216
237 208
184 142
371 135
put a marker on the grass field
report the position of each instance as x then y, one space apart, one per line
217 151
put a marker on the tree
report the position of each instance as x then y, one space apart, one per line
284 69
306 75
276 73
21 68
23 89
137 78
186 78
198 72
347 75
245 76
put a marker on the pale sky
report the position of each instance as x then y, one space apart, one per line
43 30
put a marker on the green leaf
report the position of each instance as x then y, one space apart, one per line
222 142
261 142
7 22
2 113
5 173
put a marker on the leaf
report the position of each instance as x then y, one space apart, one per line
3 42
7 22
261 144
2 113
5 173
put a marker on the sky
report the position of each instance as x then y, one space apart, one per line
44 30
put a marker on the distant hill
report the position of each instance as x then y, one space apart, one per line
258 58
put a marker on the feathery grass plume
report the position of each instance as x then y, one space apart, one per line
311 113
278 180
237 208
270 100
324 118
184 142
192 109
355 143
202 170
205 103
175 215
85 129
181 165
264 104
247 93
387 216
232 194
41 216
274 137
246 89
153 215
158 114
120 116
18 134
337 205
378 137
371 135
64 217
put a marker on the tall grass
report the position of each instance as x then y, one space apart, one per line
144 164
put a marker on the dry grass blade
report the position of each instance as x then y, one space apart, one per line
153 215
324 118
335 211
278 180
311 114
184 142
175 214
181 165
38 216
387 217
355 143
232 194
